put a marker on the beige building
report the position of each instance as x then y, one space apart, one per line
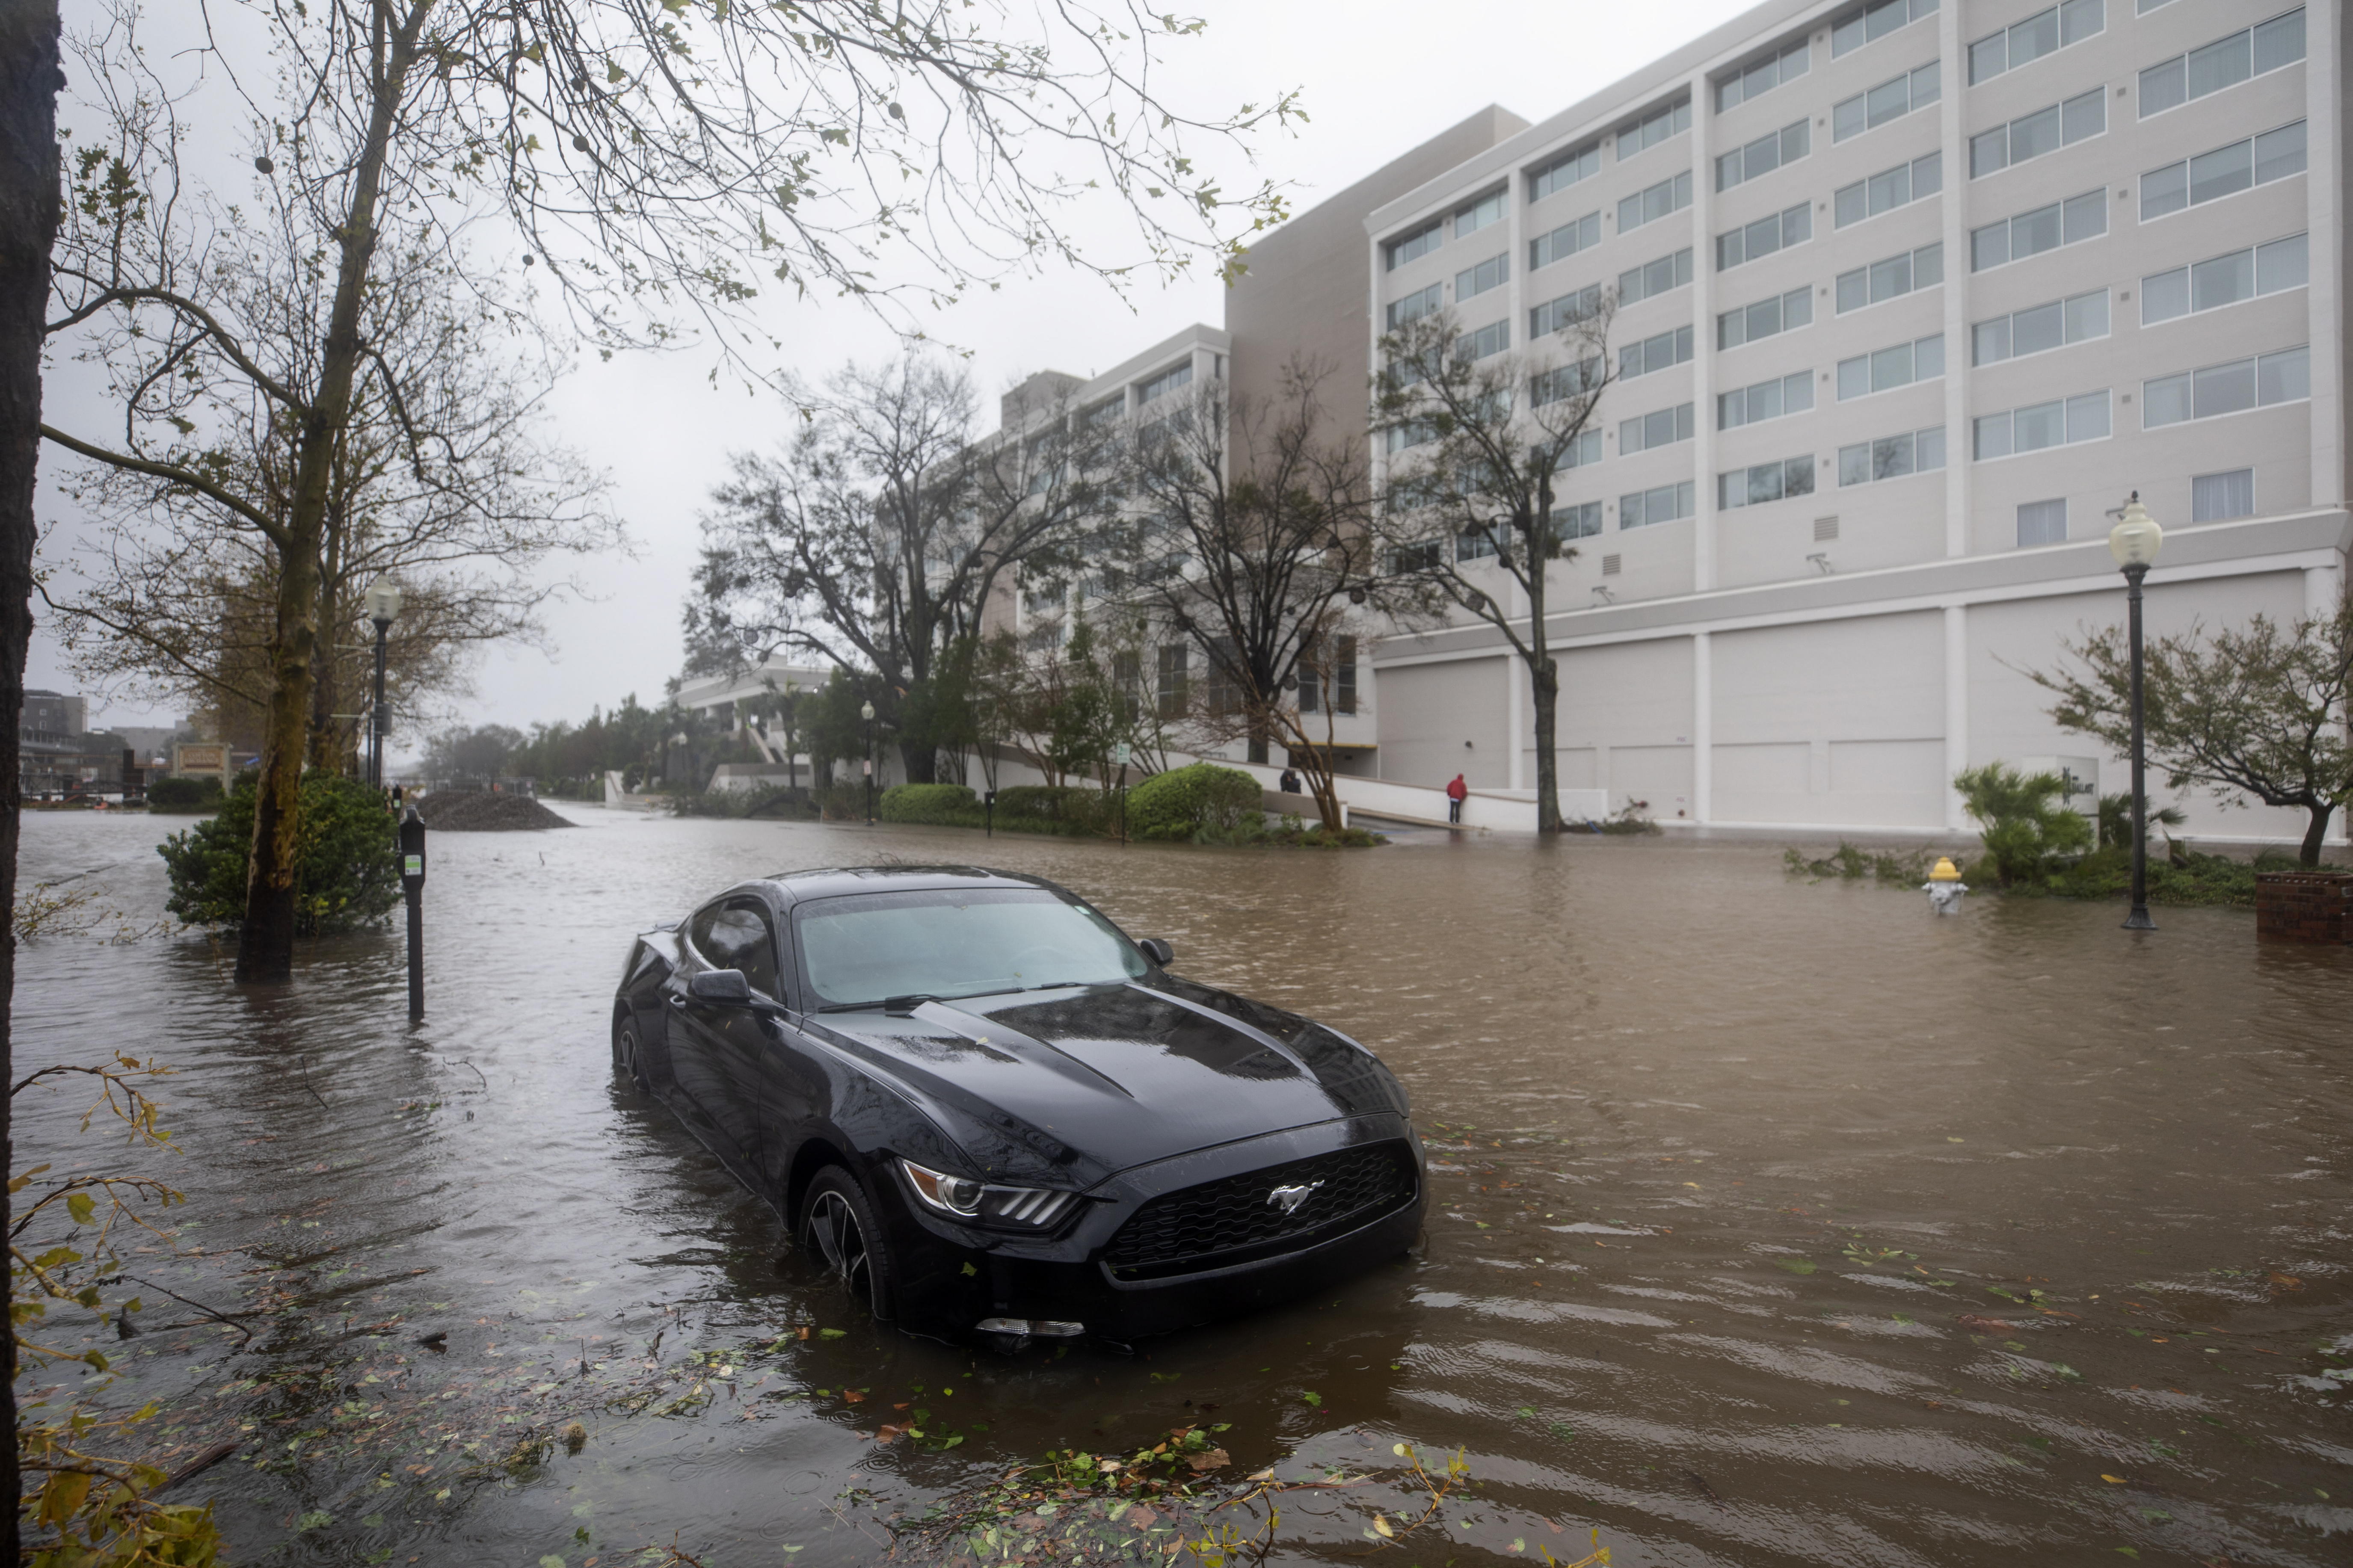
1909 296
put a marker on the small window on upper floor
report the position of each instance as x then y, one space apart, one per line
2226 62
2044 33
1872 23
1487 209
1667 119
1786 64
1414 246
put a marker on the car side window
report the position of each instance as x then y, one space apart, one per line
737 935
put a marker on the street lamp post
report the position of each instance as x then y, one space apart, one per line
866 712
383 607
2135 542
792 715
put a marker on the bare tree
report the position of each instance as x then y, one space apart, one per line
661 159
442 480
1249 541
2256 710
31 77
1478 442
875 538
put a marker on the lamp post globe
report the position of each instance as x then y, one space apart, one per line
2135 542
383 608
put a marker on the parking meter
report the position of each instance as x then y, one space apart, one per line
412 888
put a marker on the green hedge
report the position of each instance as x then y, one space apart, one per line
1183 802
350 870
942 804
185 794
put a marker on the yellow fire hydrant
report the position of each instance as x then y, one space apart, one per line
1945 887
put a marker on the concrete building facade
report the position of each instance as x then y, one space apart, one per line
1909 296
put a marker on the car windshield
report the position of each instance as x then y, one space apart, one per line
868 948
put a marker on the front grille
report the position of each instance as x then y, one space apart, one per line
1205 1227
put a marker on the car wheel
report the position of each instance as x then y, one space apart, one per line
840 1230
625 1059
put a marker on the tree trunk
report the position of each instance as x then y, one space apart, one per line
922 763
2315 831
30 80
265 947
1544 681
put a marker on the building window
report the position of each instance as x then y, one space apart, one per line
1655 276
2042 522
1654 128
1891 100
1784 65
1639 508
2224 171
1791 393
1577 234
1654 354
1473 544
1414 246
1549 386
1492 339
1662 428
2045 131
2044 33
1883 370
1565 171
1559 315
1415 305
2076 219
1478 215
2218 498
1750 242
1404 437
1581 520
1406 559
1891 276
2039 329
1888 189
1891 457
2061 422
1583 450
1765 317
1167 382
1764 156
1762 482
1873 23
2226 62
1669 195
1473 281
2225 279
2229 388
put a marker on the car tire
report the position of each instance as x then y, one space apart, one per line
627 1061
839 1230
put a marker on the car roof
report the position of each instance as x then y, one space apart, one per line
793 887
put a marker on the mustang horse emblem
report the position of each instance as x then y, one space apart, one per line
1288 1199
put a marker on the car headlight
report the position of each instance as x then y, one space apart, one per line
1035 1208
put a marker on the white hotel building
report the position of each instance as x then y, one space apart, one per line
1911 295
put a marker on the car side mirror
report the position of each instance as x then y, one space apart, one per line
720 985
1157 950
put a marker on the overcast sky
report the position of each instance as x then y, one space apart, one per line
1376 78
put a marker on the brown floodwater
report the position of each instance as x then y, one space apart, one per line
1773 1222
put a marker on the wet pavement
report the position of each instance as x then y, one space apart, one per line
1772 1222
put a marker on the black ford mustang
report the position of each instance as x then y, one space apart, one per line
990 1111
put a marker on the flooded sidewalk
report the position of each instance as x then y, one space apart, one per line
1773 1222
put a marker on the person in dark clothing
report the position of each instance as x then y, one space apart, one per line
1454 795
1290 784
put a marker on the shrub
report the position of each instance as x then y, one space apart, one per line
843 802
943 805
1190 802
1075 805
348 873
185 794
2026 826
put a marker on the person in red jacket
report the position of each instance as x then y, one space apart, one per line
1455 794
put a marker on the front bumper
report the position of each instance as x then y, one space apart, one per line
952 1277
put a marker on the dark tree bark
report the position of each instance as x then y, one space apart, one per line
30 81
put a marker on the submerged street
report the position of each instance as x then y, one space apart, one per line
1772 1222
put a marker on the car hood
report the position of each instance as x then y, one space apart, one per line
1078 1082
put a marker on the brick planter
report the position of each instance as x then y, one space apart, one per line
2304 905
